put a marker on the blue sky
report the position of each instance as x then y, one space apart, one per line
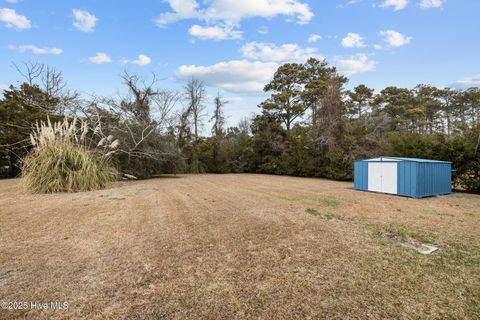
235 46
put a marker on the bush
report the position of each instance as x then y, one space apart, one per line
460 150
63 167
63 162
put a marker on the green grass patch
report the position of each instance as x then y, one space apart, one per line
329 202
331 216
324 215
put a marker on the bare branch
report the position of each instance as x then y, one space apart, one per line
30 71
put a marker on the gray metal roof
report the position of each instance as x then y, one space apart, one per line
385 158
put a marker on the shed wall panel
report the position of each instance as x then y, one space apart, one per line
407 178
434 179
361 175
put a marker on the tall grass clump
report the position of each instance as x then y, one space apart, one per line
63 160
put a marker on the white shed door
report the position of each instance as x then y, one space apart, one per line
382 177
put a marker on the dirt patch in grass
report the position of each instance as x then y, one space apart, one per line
403 233
237 247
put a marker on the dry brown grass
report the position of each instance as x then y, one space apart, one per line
237 247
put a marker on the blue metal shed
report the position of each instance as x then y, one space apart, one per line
410 177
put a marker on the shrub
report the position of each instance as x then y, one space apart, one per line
62 161
461 150
62 167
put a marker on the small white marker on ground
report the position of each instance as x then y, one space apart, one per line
423 248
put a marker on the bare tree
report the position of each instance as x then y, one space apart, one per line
329 116
52 83
218 117
145 103
195 95
143 92
162 108
218 120
30 71
140 121
244 126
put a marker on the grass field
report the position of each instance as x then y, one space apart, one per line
238 247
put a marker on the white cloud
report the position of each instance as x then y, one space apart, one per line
353 40
3 87
469 82
314 38
233 11
262 30
142 60
84 20
394 38
349 3
36 50
240 76
272 52
214 33
355 64
396 4
11 19
427 4
100 58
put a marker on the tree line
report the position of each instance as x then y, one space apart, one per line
310 125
